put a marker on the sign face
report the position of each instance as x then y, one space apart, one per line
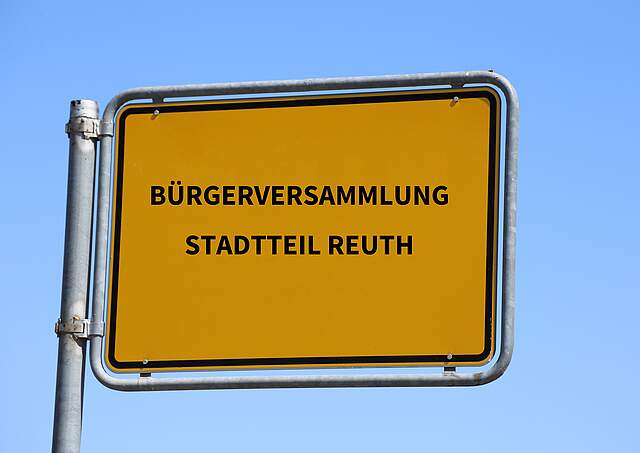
309 231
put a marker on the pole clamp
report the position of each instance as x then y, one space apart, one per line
79 328
106 128
84 126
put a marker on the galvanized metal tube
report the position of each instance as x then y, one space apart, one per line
67 423
350 83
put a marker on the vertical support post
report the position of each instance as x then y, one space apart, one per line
83 135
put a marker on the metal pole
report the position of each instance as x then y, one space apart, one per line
67 423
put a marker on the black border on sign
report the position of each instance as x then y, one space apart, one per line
358 98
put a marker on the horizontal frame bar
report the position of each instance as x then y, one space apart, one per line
449 379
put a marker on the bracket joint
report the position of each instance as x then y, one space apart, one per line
83 126
106 129
79 328
88 128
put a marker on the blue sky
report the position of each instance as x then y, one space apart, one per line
571 385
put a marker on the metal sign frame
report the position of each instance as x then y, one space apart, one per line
449 378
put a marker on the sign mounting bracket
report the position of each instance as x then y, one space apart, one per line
79 328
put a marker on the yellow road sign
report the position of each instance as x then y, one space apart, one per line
309 231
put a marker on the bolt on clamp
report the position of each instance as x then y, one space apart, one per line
79 328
